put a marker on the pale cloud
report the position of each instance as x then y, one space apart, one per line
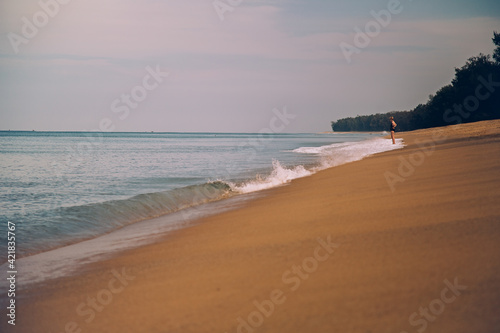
120 29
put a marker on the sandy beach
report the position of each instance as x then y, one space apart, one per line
403 241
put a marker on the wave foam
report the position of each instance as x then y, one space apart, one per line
279 176
342 153
330 156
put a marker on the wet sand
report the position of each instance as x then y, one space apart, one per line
403 241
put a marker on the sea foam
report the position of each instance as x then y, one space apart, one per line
279 176
329 156
346 152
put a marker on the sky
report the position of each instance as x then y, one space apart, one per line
228 65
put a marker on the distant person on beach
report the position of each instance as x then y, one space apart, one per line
393 128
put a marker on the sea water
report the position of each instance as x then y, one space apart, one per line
62 188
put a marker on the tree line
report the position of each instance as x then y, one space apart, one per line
473 95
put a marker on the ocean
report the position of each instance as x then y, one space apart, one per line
74 196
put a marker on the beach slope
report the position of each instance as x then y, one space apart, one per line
403 241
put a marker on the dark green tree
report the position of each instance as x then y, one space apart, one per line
473 95
496 41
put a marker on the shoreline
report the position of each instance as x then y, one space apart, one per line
88 214
209 204
338 250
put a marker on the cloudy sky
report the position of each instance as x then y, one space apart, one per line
86 64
